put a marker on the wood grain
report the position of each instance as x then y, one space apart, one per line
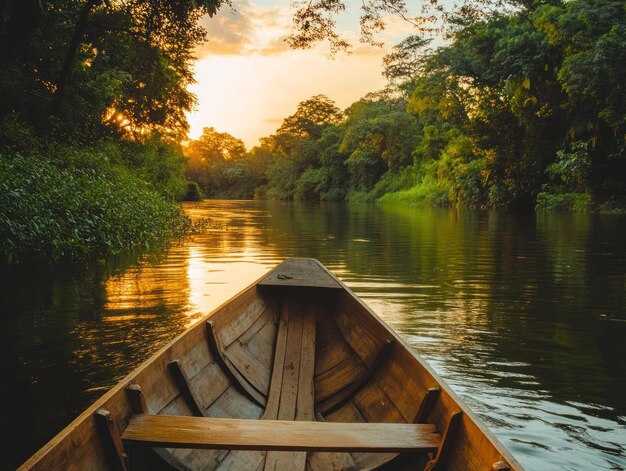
296 396
344 395
281 435
229 369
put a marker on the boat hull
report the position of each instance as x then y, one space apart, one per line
296 345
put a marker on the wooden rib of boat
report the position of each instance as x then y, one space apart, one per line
293 373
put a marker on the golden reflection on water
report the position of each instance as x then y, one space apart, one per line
212 283
148 286
127 317
194 277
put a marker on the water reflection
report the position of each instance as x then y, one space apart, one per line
525 317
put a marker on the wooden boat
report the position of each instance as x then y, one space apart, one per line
293 373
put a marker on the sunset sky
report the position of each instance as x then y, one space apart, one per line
249 80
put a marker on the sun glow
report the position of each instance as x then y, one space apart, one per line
248 80
249 96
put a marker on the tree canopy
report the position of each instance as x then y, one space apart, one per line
99 67
523 106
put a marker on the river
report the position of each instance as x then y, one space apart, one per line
523 316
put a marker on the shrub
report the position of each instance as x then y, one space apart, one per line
193 192
572 168
428 192
577 202
307 188
355 196
59 213
468 183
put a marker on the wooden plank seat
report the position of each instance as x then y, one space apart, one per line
139 406
279 435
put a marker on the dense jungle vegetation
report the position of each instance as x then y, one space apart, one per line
92 101
524 108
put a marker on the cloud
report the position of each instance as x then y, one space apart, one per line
246 29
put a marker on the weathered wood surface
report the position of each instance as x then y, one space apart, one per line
165 457
344 395
186 390
293 388
111 439
300 272
244 385
282 435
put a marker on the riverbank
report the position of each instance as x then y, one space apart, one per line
431 193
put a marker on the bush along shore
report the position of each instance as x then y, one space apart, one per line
51 211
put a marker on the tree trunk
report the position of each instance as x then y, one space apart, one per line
70 56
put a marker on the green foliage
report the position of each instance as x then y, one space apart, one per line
158 160
572 168
439 96
428 192
16 135
193 192
53 213
310 119
215 162
93 96
356 196
405 62
90 68
305 161
570 181
521 108
308 184
378 129
283 178
469 184
576 202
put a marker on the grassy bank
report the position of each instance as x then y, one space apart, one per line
51 211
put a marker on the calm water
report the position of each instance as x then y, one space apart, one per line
524 316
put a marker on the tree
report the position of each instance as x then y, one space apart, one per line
592 38
310 118
83 69
405 62
214 147
315 20
377 138
156 22
213 161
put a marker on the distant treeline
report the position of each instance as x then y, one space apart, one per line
519 109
